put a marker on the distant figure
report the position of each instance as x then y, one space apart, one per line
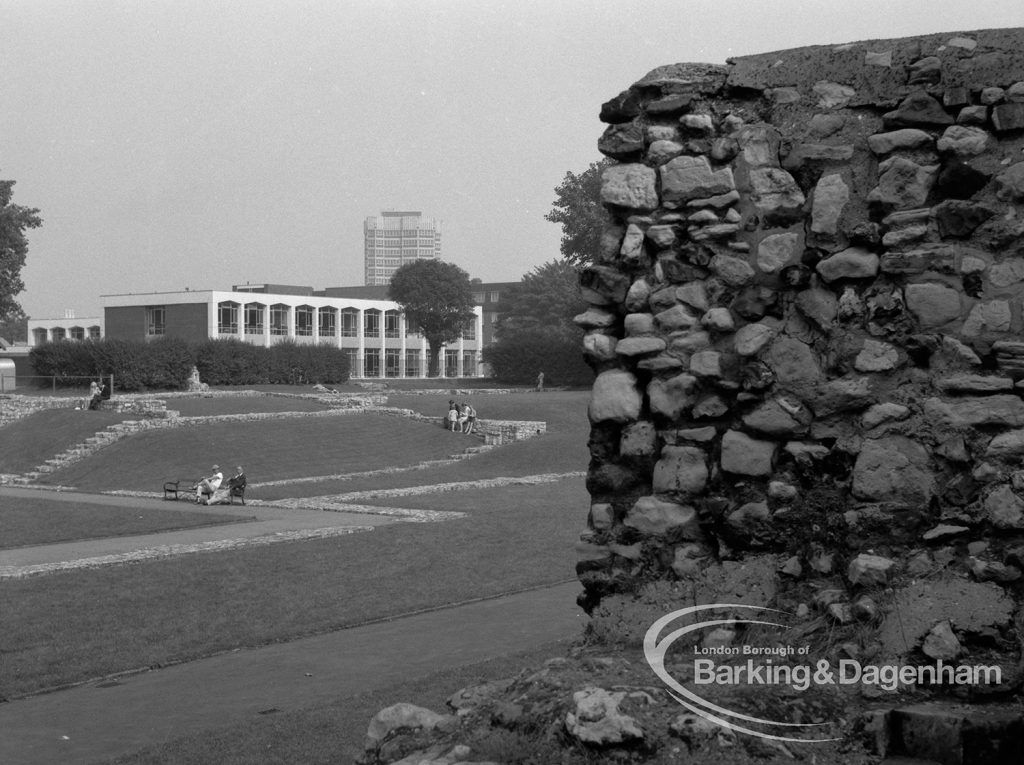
207 486
95 396
105 393
467 418
540 381
452 418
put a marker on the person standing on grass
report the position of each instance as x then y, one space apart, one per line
468 418
540 381
207 486
452 417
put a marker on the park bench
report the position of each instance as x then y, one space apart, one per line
174 490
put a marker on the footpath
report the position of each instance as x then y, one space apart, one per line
101 720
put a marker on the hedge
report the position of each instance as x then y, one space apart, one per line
517 356
166 363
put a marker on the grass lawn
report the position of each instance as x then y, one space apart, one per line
69 627
268 449
42 521
32 440
198 406
331 733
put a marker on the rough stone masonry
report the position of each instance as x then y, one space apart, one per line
806 323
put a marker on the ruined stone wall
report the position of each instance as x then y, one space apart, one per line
806 324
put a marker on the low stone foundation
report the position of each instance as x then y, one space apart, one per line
146 407
497 432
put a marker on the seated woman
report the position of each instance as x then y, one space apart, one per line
235 487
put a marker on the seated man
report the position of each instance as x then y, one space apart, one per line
237 484
207 486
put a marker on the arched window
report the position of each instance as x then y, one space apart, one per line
327 322
304 320
254 318
227 318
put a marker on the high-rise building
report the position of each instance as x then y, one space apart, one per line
395 238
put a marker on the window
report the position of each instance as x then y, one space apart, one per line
327 322
392 324
156 320
413 366
411 330
451 363
254 318
352 354
478 297
494 318
279 319
38 336
469 329
371 325
392 362
227 318
77 333
469 363
371 363
94 333
493 297
349 322
304 321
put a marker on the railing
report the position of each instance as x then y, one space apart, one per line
69 385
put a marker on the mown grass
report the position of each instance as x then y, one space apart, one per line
68 627
32 440
199 406
39 521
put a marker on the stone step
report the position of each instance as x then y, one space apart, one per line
956 734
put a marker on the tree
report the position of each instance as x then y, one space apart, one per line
14 220
578 208
536 331
437 299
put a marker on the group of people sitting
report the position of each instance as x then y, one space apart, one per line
461 418
213 491
98 393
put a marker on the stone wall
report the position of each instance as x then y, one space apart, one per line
806 326
497 432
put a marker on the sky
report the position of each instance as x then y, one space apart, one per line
200 144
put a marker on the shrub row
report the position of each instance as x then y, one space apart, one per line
166 363
517 357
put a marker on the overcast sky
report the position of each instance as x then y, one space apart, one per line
193 143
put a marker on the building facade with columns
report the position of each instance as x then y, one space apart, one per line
373 333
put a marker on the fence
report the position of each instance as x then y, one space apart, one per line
58 385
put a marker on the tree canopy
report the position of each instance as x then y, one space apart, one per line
437 299
548 296
577 207
14 221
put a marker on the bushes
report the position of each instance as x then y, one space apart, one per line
166 363
519 355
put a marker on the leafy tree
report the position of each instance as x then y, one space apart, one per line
536 331
437 299
14 220
578 208
14 327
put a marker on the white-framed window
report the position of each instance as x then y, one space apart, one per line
227 318
371 325
254 318
413 364
327 322
156 320
469 330
279 319
77 333
304 320
371 363
392 324
349 322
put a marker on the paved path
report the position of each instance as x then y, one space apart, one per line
99 721
255 526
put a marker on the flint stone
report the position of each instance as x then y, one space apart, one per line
1004 509
993 316
694 295
819 305
964 141
710 406
631 186
967 383
675 318
603 285
687 178
680 469
1006 117
719 320
940 643
907 138
1010 183
651 515
599 347
639 439
602 516
660 152
933 304
775 194
662 236
632 249
972 115
403 716
639 346
1009 444
851 263
870 570
1002 409
636 297
660 363
596 719
918 108
778 417
833 95
615 397
689 341
830 197
876 356
744 455
776 251
670 398
903 184
792 361
595 318
639 324
733 271
840 396
959 218
750 339
884 412
893 468
706 364
621 141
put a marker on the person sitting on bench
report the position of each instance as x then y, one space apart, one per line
209 485
95 395
236 485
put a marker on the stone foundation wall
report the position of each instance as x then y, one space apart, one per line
496 432
806 326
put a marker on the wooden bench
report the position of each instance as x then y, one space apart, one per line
174 490
236 491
